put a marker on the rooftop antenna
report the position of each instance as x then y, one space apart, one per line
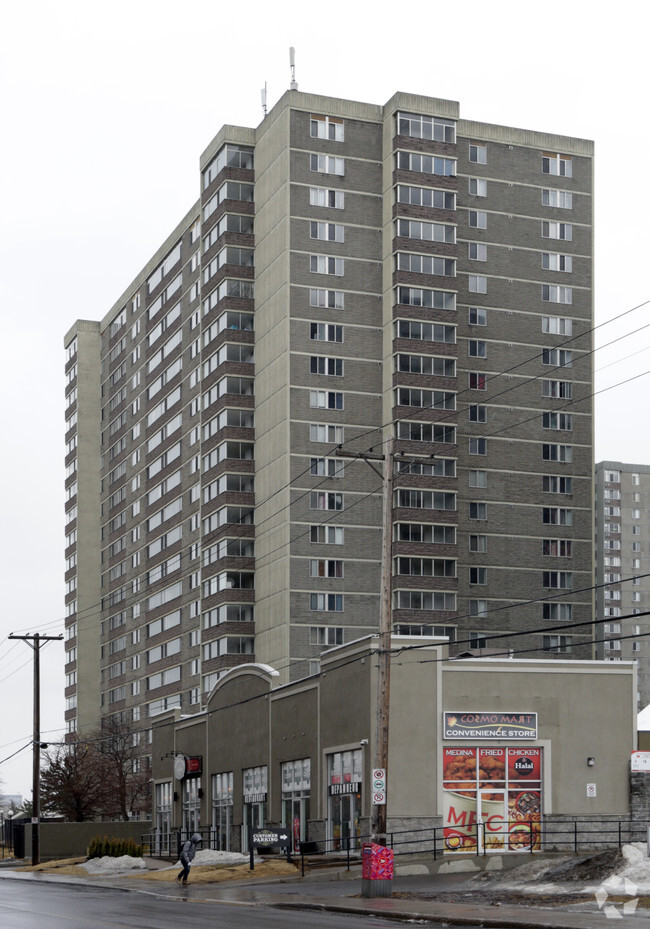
264 98
292 63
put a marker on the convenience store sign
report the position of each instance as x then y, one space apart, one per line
485 725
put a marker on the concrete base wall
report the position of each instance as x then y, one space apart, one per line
71 840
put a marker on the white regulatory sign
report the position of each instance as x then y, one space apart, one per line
591 790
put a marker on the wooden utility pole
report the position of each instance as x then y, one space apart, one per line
37 640
385 627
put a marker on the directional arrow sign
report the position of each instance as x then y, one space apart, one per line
272 837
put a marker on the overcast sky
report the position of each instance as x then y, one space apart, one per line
105 111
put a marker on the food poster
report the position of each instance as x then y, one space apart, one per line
524 798
499 786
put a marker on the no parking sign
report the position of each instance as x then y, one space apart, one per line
378 786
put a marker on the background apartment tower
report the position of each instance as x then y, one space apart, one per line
622 551
350 272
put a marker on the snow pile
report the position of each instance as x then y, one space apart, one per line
107 865
636 867
209 856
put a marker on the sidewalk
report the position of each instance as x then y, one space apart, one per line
341 892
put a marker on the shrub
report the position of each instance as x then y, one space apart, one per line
113 847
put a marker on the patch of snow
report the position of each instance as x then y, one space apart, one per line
636 868
108 865
209 856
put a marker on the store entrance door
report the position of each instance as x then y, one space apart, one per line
492 819
345 811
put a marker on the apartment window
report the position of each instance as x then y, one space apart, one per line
327 535
562 199
437 534
557 548
557 611
636 479
328 232
426 364
557 325
554 484
477 413
477 446
477 543
559 421
326 197
326 264
558 165
478 186
478 154
329 603
426 264
426 196
325 500
557 357
557 516
557 231
426 567
436 299
477 380
431 399
563 579
477 478
477 219
324 432
553 261
327 127
554 293
477 251
561 390
557 452
636 546
426 432
329 299
477 284
477 510
477 348
327 467
557 643
326 636
424 332
478 575
426 164
323 364
426 500
326 399
426 127
327 164
428 232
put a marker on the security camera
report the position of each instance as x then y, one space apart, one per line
363 742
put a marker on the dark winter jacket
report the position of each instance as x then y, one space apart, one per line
189 848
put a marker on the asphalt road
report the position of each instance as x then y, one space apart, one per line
26 905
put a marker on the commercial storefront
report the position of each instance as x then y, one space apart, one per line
482 748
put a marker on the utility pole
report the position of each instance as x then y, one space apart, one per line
35 641
385 627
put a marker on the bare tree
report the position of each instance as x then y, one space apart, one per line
125 767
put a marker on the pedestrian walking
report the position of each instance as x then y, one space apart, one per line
187 856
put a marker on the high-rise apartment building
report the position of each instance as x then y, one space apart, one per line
350 272
622 557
